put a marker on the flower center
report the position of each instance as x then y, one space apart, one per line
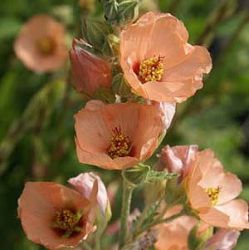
120 145
67 222
151 69
46 45
213 194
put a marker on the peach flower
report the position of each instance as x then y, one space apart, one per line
55 216
40 44
117 136
89 71
223 239
211 193
177 159
157 61
84 182
174 235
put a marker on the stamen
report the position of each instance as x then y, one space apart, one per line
120 145
46 45
151 69
67 222
213 194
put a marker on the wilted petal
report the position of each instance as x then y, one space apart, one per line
83 183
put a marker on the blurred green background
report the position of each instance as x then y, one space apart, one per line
36 121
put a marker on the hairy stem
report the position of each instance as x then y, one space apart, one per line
125 211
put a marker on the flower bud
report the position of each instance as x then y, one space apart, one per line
89 71
83 183
177 159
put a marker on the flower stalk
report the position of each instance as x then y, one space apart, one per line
125 211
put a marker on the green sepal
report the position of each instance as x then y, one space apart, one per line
120 12
111 10
95 32
193 241
105 95
136 175
142 173
128 11
120 87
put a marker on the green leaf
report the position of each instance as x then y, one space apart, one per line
9 27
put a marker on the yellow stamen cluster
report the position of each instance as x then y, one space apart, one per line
151 69
120 144
213 194
67 222
46 45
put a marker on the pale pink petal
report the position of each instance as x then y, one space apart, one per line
174 235
193 66
223 239
215 218
83 183
177 159
237 211
91 130
94 105
168 112
151 123
103 160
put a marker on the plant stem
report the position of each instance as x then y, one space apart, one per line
125 211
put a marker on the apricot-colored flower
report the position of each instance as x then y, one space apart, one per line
174 235
84 182
89 71
40 44
56 216
211 193
157 61
177 159
223 239
117 136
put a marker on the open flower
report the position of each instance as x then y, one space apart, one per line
157 61
211 193
174 235
40 44
84 182
89 71
56 216
117 136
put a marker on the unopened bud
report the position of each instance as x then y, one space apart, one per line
89 71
